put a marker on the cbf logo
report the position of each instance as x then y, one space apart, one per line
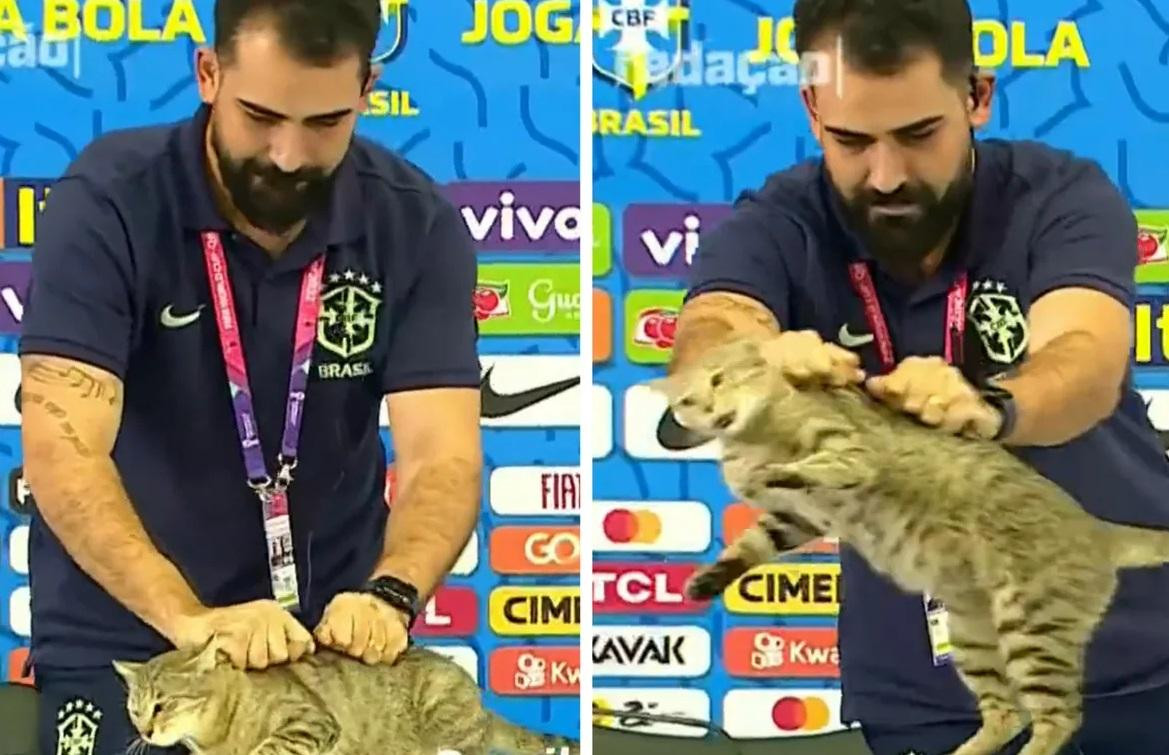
1000 322
392 38
640 43
347 326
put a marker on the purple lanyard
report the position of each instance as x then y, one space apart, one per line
237 372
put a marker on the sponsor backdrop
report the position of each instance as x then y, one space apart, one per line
481 95
701 107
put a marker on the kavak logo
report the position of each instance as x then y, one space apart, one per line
14 278
347 326
1152 246
787 588
999 322
651 320
535 670
78 721
535 491
530 391
535 550
738 516
662 239
529 611
20 499
639 45
395 24
1157 407
782 652
650 651
765 713
631 706
642 588
520 216
528 300
652 432
450 612
651 527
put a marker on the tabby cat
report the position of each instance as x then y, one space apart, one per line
1025 572
423 704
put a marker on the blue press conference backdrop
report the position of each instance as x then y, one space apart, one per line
495 116
669 157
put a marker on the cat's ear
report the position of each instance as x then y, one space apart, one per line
664 385
208 658
128 670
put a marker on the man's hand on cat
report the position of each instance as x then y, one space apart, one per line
256 635
937 394
364 627
804 358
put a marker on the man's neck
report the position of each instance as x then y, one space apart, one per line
274 244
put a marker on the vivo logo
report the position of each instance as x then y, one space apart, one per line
661 240
519 216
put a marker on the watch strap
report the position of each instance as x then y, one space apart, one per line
397 593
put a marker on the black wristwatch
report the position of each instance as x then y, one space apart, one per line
399 594
1001 400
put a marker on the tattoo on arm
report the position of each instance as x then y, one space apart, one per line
87 386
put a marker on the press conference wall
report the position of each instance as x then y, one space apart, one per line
671 152
491 111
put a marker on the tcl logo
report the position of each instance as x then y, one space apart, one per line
779 652
451 612
642 588
535 671
535 550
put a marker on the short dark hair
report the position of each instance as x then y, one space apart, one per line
318 32
881 36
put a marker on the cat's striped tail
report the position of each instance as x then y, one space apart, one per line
1135 547
509 739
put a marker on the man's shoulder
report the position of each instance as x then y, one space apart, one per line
387 177
119 161
1035 171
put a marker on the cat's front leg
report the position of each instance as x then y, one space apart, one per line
775 532
830 468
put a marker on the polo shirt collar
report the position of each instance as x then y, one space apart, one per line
340 221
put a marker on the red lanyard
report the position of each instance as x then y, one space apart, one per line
862 282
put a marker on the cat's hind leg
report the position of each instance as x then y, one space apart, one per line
301 732
1044 629
982 668
774 533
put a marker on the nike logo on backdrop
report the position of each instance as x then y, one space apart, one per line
496 405
673 437
849 340
170 320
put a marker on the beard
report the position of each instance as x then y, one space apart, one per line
266 196
902 241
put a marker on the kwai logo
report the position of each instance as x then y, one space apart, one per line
520 216
662 239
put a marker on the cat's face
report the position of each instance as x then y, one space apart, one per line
723 392
177 697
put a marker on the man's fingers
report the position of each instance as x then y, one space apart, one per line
933 412
298 636
377 642
277 644
362 622
236 648
258 649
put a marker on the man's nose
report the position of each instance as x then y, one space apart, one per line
886 169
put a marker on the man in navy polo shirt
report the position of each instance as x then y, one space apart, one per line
863 263
218 308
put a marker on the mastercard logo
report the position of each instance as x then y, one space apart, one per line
632 526
800 714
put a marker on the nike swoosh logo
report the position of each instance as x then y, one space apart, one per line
495 405
849 340
673 437
170 320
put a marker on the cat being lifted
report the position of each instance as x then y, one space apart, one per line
1025 572
323 703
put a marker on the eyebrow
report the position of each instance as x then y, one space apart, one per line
273 114
909 128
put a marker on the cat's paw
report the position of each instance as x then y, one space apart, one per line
707 584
